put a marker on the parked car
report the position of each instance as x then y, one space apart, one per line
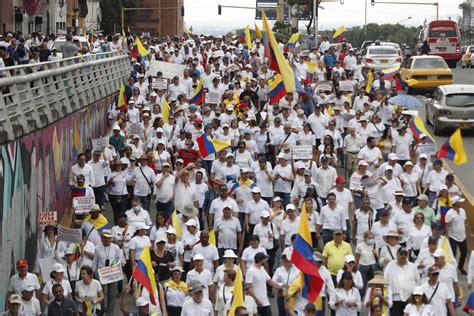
76 40
429 71
451 106
380 57
394 45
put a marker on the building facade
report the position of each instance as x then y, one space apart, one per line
48 16
467 21
156 17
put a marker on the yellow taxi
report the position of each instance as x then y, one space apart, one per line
426 72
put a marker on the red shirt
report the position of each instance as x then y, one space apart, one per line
188 155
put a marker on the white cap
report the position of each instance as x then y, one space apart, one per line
265 214
191 222
256 190
276 199
159 130
171 230
349 258
140 226
282 156
388 168
422 135
161 237
363 163
244 170
198 256
229 155
287 253
57 267
153 94
438 253
408 163
141 301
457 199
116 127
392 156
418 290
290 207
28 288
423 156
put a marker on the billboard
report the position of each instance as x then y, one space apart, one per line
269 6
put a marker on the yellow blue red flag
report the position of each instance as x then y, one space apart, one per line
145 275
339 31
417 128
453 149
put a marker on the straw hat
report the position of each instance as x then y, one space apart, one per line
378 279
391 233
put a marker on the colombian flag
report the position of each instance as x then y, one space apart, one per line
173 221
258 33
453 149
370 81
121 103
198 97
390 72
400 84
210 146
417 127
292 41
77 252
141 50
339 31
238 293
277 89
302 258
276 60
144 274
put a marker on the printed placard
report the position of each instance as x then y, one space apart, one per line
82 204
302 152
45 217
159 84
213 97
370 181
428 149
168 70
324 86
100 143
110 274
346 85
135 129
71 235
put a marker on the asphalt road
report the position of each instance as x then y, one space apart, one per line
465 171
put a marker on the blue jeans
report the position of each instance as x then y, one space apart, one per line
327 235
264 310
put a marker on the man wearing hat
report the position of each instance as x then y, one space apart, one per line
402 277
269 237
142 304
257 279
99 167
438 293
22 278
335 252
436 179
145 179
447 274
107 254
392 161
30 305
255 208
198 304
189 239
402 144
201 274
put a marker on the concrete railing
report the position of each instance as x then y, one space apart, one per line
34 96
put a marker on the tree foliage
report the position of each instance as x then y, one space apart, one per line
112 14
384 32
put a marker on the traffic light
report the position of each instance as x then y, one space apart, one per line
372 2
219 9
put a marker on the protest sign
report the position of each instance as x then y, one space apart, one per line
45 217
82 204
346 85
324 86
213 98
302 152
71 235
428 149
135 129
370 181
46 267
159 84
110 274
99 143
168 70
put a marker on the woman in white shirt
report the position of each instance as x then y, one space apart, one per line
366 258
410 181
243 159
225 292
346 300
89 293
417 234
456 230
56 278
161 155
117 188
49 245
350 266
249 253
418 304
138 242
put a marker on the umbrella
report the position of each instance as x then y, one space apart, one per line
406 101
410 112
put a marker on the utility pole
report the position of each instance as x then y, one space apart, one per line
316 19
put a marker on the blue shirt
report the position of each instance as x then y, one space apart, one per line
329 60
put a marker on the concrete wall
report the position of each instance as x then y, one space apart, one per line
34 177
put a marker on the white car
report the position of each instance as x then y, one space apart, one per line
394 45
76 40
380 57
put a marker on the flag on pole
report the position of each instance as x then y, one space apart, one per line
277 89
370 81
276 60
77 252
302 258
173 222
258 33
339 31
144 274
198 97
141 49
453 149
245 37
417 128
121 104
238 293
165 111
124 39
293 40
211 146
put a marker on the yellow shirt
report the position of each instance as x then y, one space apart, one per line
335 255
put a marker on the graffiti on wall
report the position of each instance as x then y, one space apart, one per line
34 177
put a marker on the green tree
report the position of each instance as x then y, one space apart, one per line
112 14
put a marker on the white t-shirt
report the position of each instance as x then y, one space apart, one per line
366 253
205 277
457 229
439 299
286 172
249 253
191 308
371 156
288 228
138 243
209 253
412 310
90 291
31 307
16 283
48 288
258 278
363 219
402 144
227 230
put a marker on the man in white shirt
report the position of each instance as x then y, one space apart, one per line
198 304
360 100
201 274
402 144
346 202
447 274
256 207
436 179
164 188
301 68
144 178
283 174
264 179
81 168
331 218
318 122
371 154
100 168
217 205
22 278
349 61
324 176
176 88
137 214
208 251
438 294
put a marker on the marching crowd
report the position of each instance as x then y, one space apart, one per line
386 219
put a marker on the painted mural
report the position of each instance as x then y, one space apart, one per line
34 177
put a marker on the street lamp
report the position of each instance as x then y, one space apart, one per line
404 20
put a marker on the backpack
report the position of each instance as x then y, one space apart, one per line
21 51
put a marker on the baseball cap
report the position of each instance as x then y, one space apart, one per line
422 136
433 270
15 299
337 232
457 199
392 156
423 197
282 156
244 170
198 256
259 256
308 173
438 253
362 163
349 258
418 290
402 249
28 288
196 286
140 226
423 156
160 238
107 233
383 212
290 207
340 179
191 222
22 263
256 190
141 301
276 199
265 214
171 230
57 267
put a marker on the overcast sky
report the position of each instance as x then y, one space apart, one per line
201 13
